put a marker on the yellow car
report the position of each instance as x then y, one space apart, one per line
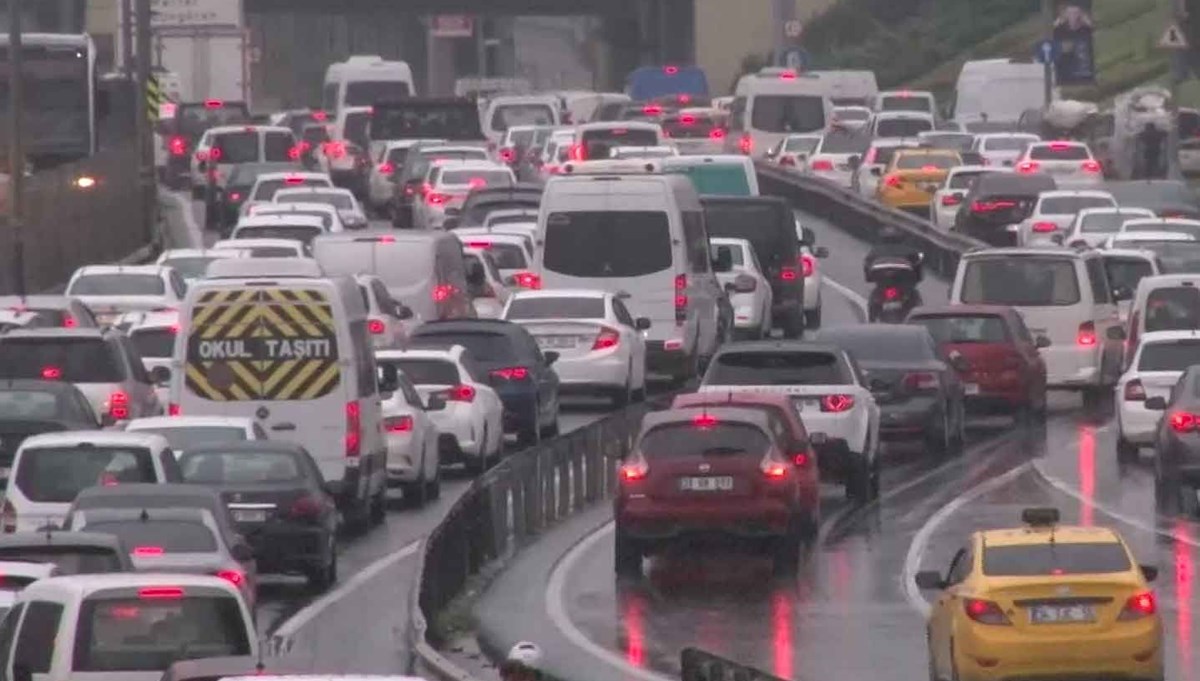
909 181
1044 601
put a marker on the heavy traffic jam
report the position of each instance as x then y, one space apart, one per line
393 290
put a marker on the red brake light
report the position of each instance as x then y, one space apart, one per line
1086 334
435 199
905 94
511 373
984 612
652 110
177 146
774 470
306 507
837 403
213 104
892 181
398 424
148 551
921 380
1183 422
891 293
990 206
1091 166
69 322
607 339
717 133
215 154
386 168
800 459
202 155
173 409
442 292
1139 605
1028 167
1060 146
51 373
1044 227
508 155
1135 391
684 99
787 75
320 116
293 181
353 429
461 393
687 120
808 265
118 405
476 183
704 421
235 196
528 280
485 245
234 577
633 471
787 273
951 200
670 70
160 593
681 299
376 326
746 144
386 239
296 151
821 164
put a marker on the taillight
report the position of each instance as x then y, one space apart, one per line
577 153
837 403
921 380
633 471
510 373
8 517
787 273
214 154
892 181
173 409
681 299
951 200
821 164
235 196
460 393
353 429
306 508
376 326
808 265
1090 166
1087 334
527 280
991 206
607 339
1183 422
144 551
398 424
335 149
508 154
1028 167
202 156
984 612
435 199
1134 391
234 577
774 470
1044 227
69 322
442 293
118 405
386 168
717 134
177 146
295 152
51 373
1139 605
746 144
801 459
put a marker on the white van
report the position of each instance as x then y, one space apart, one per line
277 340
643 238
1167 302
219 149
506 111
850 87
363 80
917 101
1062 294
769 106
130 626
997 91
593 141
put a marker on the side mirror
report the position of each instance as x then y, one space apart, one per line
403 312
854 161
641 323
389 378
821 252
1041 342
929 580
1122 293
435 403
551 357
241 552
1149 572
1115 333
160 375
1156 403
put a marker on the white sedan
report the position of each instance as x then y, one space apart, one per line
510 249
343 200
192 263
184 432
1160 359
1094 225
1071 164
601 346
471 423
1055 211
110 291
413 461
748 289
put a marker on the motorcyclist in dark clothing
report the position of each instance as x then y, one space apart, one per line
891 245
1152 142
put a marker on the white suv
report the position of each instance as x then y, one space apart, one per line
1160 359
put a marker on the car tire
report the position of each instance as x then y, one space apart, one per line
939 443
530 434
416 493
627 556
377 508
860 487
812 318
321 577
622 396
433 488
793 326
1127 452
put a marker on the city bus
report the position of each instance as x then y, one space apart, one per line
648 83
60 101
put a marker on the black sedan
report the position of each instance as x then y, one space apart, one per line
919 393
1177 445
279 503
29 407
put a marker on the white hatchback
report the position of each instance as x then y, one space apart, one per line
110 291
1054 212
1071 164
1094 225
184 432
1160 359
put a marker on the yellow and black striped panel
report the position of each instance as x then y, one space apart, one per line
154 97
262 344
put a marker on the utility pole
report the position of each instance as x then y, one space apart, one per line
16 152
1048 69
127 40
142 120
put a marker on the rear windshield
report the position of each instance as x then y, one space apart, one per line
171 536
236 147
1176 355
277 146
476 178
154 343
302 233
1027 560
778 368
57 474
520 139
189 267
1105 222
77 360
902 127
266 189
484 347
71 560
368 92
911 161
398 265
452 121
397 156
905 103
507 256
272 252
716 179
607 244
1005 144
426 371
689 126
187 437
118 285
1169 309
965 329
787 113
150 634
772 235
1068 152
964 180
1127 272
339 201
354 128
804 144
616 137
688 440
1175 257
239 468
949 140
508 115
883 154
1022 281
1070 205
194 119
35 405
561 307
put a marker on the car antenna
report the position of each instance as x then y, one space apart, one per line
144 517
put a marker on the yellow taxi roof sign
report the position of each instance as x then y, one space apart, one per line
1040 517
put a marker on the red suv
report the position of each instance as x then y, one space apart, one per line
699 473
995 356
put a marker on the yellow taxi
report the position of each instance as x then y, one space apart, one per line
913 175
1044 601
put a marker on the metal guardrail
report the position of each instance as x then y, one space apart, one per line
67 225
700 665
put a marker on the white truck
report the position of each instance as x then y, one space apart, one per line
212 63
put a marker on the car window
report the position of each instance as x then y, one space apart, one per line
1105 221
901 127
57 474
136 368
883 346
1127 272
904 102
153 343
804 145
960 567
70 560
1069 205
692 440
1101 291
911 161
1053 152
427 371
1175 308
235 147
364 361
35 642
716 179
278 146
8 630
1176 355
777 368
411 397
965 328
555 307
187 437
77 360
117 285
786 113
963 179
1069 558
210 467
38 405
608 244
1005 144
1021 281
265 189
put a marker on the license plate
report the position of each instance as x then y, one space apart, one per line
721 483
556 341
971 389
806 405
893 305
250 516
1061 614
107 318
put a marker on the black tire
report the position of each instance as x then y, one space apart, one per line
416 493
860 488
624 395
321 577
793 325
812 318
627 556
433 488
1127 452
530 434
377 507
940 442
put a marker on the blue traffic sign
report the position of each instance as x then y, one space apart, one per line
1045 51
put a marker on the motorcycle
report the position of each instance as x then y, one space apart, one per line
895 293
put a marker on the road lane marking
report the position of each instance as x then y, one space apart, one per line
920 541
309 612
848 293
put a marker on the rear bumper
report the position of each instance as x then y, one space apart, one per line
593 370
459 437
520 410
1136 423
660 360
743 517
913 418
286 547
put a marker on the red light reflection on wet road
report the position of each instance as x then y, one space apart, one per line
781 625
635 633
1184 574
1087 472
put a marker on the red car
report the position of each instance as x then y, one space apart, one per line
702 474
804 456
995 356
